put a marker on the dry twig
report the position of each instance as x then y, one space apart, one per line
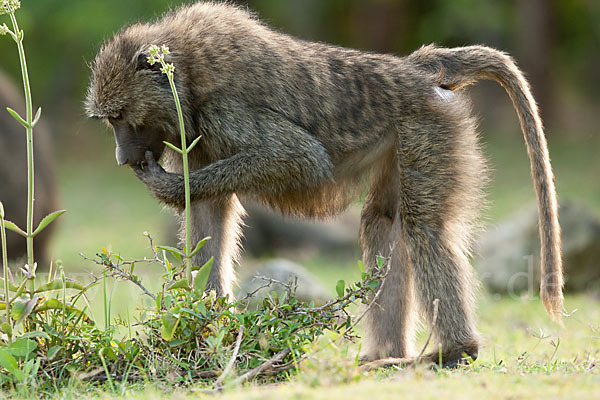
436 303
248 376
219 382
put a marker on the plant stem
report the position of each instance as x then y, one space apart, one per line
186 176
106 313
5 273
30 166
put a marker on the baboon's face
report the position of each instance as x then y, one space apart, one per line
132 142
133 97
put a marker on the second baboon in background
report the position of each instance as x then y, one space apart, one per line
299 126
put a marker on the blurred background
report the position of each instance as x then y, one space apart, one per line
556 43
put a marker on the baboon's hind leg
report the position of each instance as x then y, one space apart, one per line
441 177
389 322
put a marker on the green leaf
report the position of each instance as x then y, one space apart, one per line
201 308
50 304
380 261
361 267
339 288
31 366
47 221
179 284
13 227
194 143
373 284
13 36
58 284
21 288
172 146
8 362
50 330
17 117
21 347
55 304
177 342
36 119
35 334
108 352
175 251
22 308
201 278
5 327
11 286
169 325
159 297
199 246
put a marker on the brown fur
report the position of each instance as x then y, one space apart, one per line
300 125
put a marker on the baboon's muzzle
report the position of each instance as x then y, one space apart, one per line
132 143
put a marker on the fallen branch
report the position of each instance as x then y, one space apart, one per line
253 373
219 382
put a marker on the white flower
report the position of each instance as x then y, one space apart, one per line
168 69
28 271
157 55
9 6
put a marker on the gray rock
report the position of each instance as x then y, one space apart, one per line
309 288
509 254
268 232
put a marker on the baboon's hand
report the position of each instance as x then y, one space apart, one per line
165 186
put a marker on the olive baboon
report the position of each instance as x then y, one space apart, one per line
13 176
299 126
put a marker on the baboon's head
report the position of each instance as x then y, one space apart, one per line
132 96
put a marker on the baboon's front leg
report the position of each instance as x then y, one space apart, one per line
220 219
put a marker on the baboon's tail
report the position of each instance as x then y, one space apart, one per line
463 66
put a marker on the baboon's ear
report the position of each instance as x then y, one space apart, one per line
142 62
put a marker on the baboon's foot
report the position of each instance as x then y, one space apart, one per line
386 362
375 356
451 358
455 356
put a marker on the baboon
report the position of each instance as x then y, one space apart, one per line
13 177
300 126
